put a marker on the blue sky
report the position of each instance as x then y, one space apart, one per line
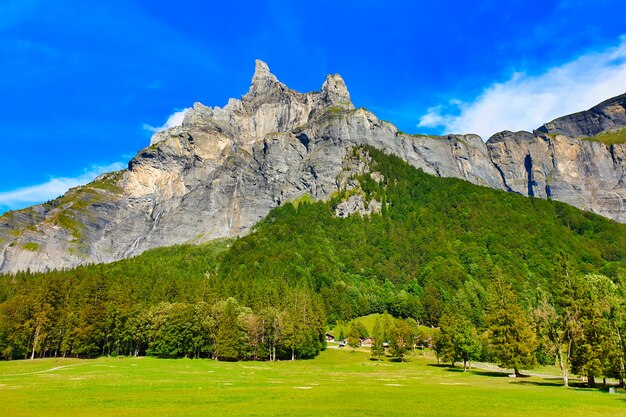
82 81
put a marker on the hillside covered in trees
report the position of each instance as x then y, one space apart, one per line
432 253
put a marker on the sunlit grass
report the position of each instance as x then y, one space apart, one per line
610 138
339 381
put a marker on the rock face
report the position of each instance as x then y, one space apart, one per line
225 168
606 116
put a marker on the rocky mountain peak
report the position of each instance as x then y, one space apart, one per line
606 116
197 115
263 79
224 169
335 92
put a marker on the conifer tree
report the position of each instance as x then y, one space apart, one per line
377 348
229 333
511 337
354 339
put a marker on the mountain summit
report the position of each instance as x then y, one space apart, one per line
224 169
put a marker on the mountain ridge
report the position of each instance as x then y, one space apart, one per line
225 168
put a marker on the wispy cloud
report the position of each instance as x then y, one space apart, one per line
54 187
175 119
525 102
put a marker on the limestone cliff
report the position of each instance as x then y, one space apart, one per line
608 115
225 168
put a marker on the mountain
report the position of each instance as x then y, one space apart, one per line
606 116
435 244
224 169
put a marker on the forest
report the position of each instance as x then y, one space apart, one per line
506 278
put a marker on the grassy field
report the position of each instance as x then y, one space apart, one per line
368 322
339 382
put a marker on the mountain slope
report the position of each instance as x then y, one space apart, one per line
225 168
427 242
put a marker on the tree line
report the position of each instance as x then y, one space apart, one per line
432 255
578 324
53 323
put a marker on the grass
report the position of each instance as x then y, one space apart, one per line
31 246
339 382
418 135
367 321
304 198
335 112
75 227
610 138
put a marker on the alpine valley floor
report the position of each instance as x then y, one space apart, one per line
338 382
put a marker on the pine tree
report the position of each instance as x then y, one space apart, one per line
229 334
378 349
354 339
511 337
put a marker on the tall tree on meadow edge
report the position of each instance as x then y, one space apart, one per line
173 332
356 332
254 328
228 342
377 348
354 339
617 322
15 327
556 316
273 330
457 339
596 344
556 330
401 335
511 336
386 324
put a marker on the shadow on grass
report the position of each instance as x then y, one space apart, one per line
491 374
438 365
398 360
544 383
473 371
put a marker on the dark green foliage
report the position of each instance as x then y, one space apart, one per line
511 335
230 340
377 348
353 337
165 303
437 235
596 346
174 329
401 338
458 339
435 243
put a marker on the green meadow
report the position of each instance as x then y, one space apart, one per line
338 382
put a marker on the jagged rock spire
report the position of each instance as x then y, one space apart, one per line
263 79
335 92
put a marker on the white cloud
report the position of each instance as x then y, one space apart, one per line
175 119
525 102
35 194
